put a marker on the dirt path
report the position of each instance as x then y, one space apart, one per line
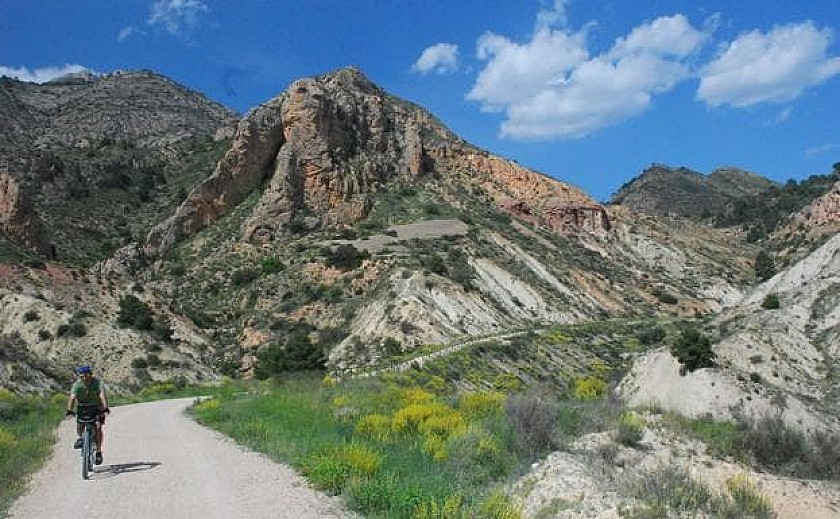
160 463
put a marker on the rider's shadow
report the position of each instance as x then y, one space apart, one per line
122 468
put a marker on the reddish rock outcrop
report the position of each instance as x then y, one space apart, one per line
814 222
18 219
329 144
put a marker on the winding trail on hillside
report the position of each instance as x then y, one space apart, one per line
160 463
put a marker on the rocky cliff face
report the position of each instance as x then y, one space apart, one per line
812 224
327 145
18 219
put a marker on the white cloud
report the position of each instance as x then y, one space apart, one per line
550 87
515 73
42 75
784 115
177 17
776 66
128 32
553 17
820 150
441 59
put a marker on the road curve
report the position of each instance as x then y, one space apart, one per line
159 463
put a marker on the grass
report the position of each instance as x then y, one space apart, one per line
667 490
768 443
390 450
26 440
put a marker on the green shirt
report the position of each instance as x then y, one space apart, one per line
87 394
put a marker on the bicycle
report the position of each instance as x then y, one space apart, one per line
88 416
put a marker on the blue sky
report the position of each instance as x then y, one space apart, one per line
590 93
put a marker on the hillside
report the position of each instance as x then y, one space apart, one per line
662 190
90 163
82 110
261 251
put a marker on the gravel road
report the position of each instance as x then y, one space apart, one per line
160 463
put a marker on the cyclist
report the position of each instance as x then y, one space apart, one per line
88 392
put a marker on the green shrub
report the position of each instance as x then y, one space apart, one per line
631 428
477 456
271 266
764 266
745 500
331 469
392 347
771 302
297 353
651 336
346 257
134 313
693 350
244 276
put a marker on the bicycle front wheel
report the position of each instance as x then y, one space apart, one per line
87 452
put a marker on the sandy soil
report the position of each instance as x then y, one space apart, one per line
160 463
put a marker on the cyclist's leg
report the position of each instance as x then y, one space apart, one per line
79 430
99 435
99 438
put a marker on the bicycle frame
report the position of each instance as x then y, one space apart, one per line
87 418
88 441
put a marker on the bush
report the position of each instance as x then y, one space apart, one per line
693 350
298 353
392 347
590 388
631 429
244 276
533 417
72 329
134 313
346 257
764 266
330 470
823 461
482 404
271 266
771 302
654 335
775 445
30 315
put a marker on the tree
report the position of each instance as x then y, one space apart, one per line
764 267
134 313
347 257
693 350
298 353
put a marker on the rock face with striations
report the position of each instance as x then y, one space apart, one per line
18 218
328 144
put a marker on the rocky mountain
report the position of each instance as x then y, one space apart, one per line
663 190
141 107
344 223
88 163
